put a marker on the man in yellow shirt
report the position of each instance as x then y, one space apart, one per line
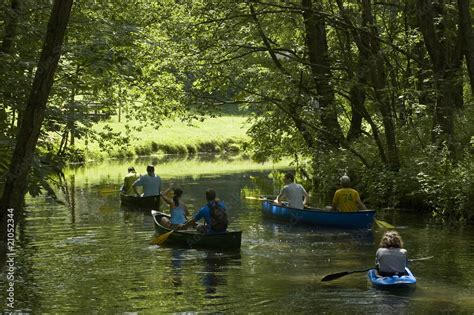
128 181
347 199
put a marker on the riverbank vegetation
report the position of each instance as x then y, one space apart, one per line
382 91
225 134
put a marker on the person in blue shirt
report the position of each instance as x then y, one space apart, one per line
213 213
178 209
150 182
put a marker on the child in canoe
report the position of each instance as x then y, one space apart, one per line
391 258
178 209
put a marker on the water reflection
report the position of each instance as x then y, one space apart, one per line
215 269
177 259
92 256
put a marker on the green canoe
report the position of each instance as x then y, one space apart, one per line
150 202
229 240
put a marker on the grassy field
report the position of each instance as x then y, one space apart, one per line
220 134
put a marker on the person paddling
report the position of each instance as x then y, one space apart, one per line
151 183
294 193
347 199
214 214
391 258
130 178
178 209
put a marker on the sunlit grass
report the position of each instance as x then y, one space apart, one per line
173 136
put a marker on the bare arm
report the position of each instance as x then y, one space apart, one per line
279 197
189 223
361 205
166 198
134 185
306 197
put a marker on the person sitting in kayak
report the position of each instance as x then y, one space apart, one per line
151 183
347 199
391 258
214 215
294 193
130 178
178 209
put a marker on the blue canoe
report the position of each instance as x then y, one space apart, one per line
347 220
393 282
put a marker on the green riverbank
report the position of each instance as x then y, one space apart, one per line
213 135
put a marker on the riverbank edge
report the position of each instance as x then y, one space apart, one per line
224 146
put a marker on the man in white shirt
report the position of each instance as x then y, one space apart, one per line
294 193
151 183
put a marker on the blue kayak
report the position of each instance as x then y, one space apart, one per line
392 282
347 220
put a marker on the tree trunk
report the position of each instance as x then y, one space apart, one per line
317 46
10 31
378 78
16 181
11 26
444 47
467 34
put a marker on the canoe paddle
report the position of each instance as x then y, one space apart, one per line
160 239
383 224
338 275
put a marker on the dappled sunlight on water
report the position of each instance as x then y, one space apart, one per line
92 256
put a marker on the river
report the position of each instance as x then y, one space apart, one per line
92 256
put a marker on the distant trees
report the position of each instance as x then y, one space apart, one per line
365 85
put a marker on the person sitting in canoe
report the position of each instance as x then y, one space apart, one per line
150 182
347 199
294 193
178 209
391 258
213 213
129 179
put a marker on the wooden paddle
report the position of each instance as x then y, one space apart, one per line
338 275
257 198
108 190
383 224
160 239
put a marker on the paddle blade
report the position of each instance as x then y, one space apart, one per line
384 224
160 239
420 259
108 190
335 276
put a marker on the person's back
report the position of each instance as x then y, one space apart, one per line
214 214
391 257
150 182
178 214
128 181
347 199
391 260
294 193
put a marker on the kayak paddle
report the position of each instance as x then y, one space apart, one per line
338 275
420 259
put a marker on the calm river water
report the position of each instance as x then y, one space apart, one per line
92 256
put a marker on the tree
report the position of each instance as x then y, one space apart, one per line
16 183
444 47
